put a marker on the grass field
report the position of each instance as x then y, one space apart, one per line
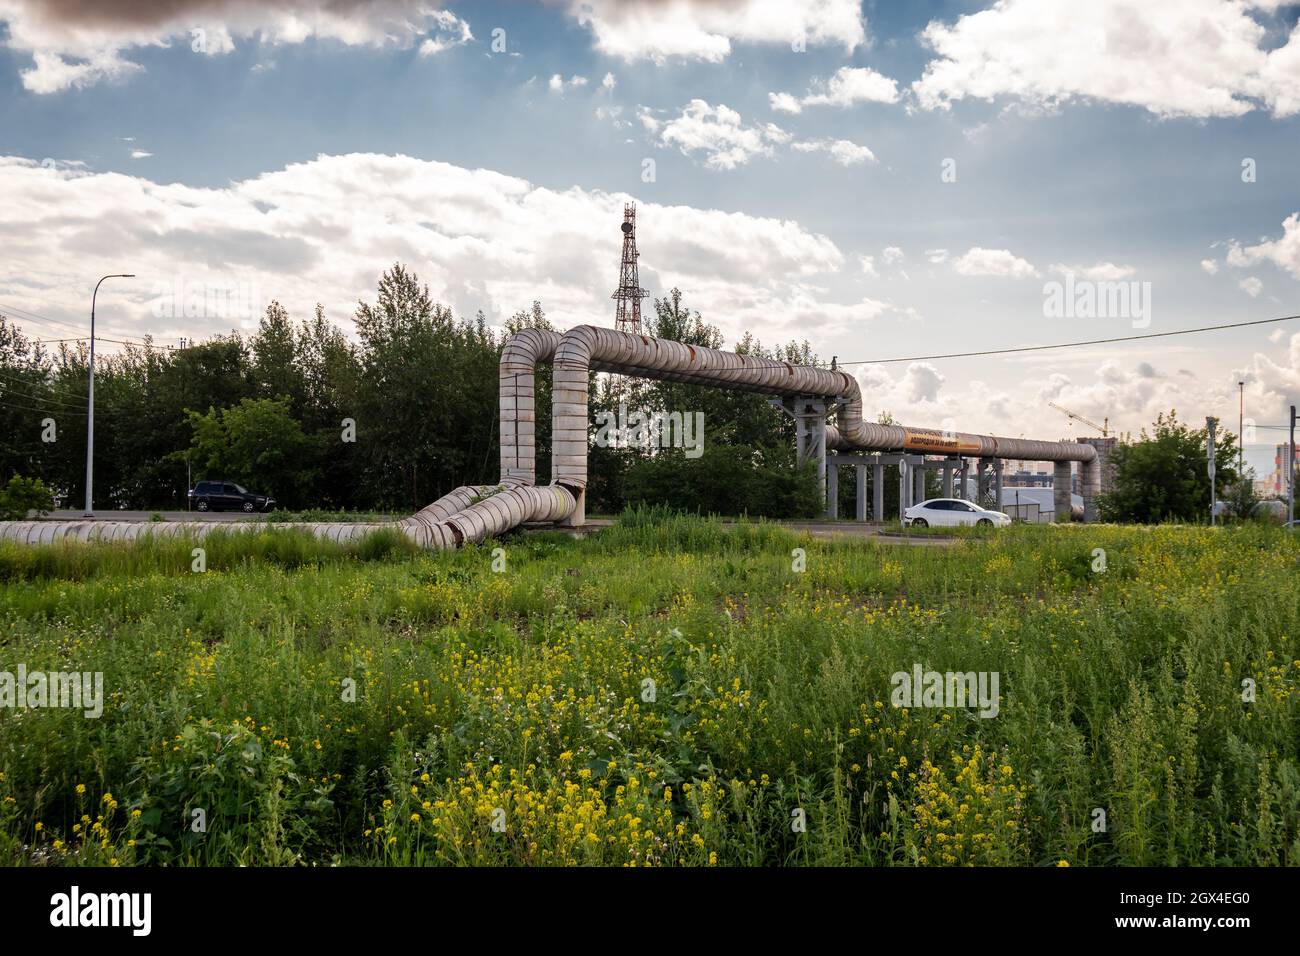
299 703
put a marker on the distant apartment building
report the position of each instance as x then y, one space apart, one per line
1278 479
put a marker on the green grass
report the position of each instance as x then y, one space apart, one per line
520 698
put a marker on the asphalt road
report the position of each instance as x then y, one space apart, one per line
109 515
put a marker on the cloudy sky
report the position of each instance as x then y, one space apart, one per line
884 180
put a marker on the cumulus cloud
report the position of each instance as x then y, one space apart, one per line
1283 252
706 29
717 133
1197 58
1252 286
1130 395
77 43
449 31
323 230
979 261
1210 266
558 84
1101 272
849 85
843 151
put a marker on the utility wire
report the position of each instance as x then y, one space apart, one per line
39 319
1070 345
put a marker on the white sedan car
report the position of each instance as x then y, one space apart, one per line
945 512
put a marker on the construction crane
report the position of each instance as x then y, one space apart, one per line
1104 428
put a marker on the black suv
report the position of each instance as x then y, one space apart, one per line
221 495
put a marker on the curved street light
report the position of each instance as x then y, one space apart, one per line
90 397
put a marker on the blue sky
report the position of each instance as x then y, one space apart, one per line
299 153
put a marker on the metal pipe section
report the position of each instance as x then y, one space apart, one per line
587 348
476 512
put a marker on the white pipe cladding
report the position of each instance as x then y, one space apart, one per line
481 512
586 348
477 512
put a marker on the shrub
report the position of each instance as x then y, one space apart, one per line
23 495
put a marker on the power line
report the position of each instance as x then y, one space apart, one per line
7 390
1070 345
39 319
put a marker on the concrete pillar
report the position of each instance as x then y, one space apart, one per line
918 481
997 484
878 492
947 479
861 511
1061 491
832 491
982 482
965 478
809 414
904 486
1091 483
578 517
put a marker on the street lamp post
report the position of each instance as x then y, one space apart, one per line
1241 425
1290 474
90 398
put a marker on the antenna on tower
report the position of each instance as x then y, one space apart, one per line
627 315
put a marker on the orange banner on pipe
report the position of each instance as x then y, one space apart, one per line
915 440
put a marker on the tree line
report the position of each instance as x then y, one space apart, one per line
384 422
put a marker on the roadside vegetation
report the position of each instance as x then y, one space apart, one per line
668 691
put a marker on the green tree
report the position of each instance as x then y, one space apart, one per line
1163 476
277 371
23 495
257 443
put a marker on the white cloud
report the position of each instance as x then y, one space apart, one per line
706 29
558 84
1129 395
451 31
1210 266
718 133
891 255
784 103
979 261
323 230
1283 252
1172 57
609 82
868 264
936 256
1101 272
1251 286
140 154
842 151
849 85
77 43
